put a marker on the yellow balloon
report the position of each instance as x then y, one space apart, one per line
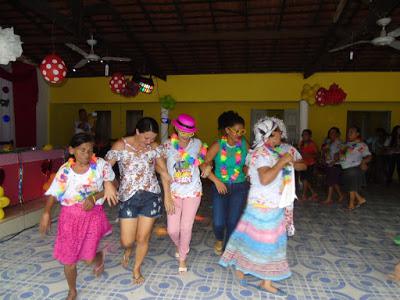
316 87
306 87
310 94
2 214
303 95
311 101
4 201
1 191
47 147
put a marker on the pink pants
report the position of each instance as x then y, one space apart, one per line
180 224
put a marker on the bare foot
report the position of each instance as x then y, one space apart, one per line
126 257
99 269
137 277
72 294
268 287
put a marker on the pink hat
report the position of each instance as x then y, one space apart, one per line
185 123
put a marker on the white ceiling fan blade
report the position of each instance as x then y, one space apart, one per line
349 45
110 58
76 49
395 33
395 44
81 63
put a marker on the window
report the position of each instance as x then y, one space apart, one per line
369 121
132 117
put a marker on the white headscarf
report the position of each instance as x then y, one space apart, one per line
265 127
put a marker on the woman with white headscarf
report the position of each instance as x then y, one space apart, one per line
258 244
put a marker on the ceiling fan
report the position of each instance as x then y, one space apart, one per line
384 39
91 56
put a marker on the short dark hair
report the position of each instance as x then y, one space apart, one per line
81 138
334 128
229 119
147 124
307 131
82 110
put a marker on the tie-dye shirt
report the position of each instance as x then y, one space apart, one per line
78 184
352 153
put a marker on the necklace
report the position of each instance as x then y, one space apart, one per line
238 160
278 152
63 178
186 157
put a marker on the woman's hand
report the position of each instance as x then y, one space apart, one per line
205 172
221 187
89 203
110 193
287 158
169 204
45 223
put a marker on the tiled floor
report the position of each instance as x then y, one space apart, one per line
334 255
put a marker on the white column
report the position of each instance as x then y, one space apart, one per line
303 112
164 125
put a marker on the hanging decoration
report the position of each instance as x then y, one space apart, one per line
117 83
53 69
321 96
10 46
131 89
332 96
146 85
6 118
167 102
308 93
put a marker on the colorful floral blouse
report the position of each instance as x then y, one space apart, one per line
137 169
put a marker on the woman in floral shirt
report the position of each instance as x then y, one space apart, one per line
139 191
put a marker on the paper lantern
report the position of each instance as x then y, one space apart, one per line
53 69
117 83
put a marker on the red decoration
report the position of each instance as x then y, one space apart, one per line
53 69
334 95
131 89
117 83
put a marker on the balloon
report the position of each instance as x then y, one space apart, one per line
2 214
1 191
47 147
4 201
117 83
6 118
53 69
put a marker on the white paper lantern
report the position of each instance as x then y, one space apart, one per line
10 46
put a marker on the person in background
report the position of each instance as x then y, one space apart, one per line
392 145
230 188
83 124
309 152
330 155
354 159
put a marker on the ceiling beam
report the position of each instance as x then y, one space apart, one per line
251 34
150 63
43 8
377 9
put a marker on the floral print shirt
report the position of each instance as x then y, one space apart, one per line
137 169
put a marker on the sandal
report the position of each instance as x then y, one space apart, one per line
98 270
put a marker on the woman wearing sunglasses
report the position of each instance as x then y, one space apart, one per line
230 188
184 154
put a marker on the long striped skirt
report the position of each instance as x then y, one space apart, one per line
258 244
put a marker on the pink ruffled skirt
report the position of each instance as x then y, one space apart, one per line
79 233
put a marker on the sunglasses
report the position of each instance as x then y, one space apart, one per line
185 134
237 131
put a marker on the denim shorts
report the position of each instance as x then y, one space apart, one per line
142 203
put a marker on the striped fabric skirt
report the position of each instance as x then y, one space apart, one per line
258 244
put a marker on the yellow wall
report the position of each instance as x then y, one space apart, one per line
206 96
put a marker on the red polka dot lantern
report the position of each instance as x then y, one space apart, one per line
53 69
117 83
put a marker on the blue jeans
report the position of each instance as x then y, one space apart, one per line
228 208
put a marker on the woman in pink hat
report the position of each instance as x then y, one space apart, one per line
184 154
